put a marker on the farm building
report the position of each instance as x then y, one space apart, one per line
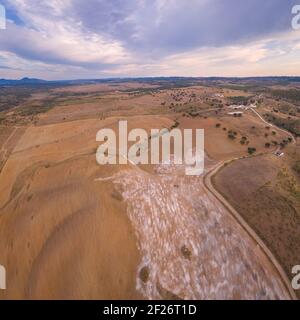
236 113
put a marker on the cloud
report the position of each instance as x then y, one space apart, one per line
70 38
176 26
275 55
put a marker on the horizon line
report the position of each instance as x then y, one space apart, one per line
152 77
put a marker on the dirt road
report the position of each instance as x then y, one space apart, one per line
273 125
209 185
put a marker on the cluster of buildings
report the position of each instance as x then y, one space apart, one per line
239 109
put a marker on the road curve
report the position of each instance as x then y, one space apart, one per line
273 125
207 181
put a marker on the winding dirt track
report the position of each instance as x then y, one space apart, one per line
207 180
273 125
210 187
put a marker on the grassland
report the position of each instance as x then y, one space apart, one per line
56 219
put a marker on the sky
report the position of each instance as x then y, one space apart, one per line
77 39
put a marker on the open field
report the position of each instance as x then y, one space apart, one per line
265 190
72 229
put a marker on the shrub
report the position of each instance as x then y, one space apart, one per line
251 150
267 145
296 167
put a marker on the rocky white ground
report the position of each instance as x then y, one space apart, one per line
191 246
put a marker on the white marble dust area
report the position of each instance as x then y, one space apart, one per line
190 245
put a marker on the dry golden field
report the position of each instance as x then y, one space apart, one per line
72 229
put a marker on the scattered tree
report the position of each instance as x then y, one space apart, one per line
251 150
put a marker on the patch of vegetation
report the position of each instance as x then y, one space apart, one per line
291 125
186 252
11 97
35 110
288 109
268 145
175 125
251 150
144 274
296 167
288 183
243 140
232 134
291 94
239 100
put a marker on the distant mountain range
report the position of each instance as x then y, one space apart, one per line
4 82
34 82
